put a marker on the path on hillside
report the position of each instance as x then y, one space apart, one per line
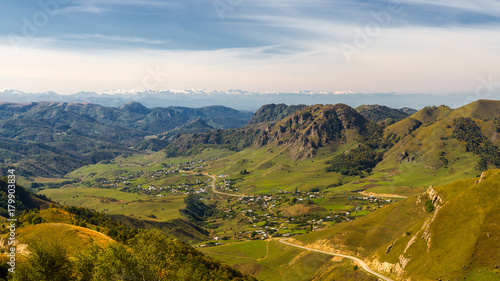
214 178
355 259
373 194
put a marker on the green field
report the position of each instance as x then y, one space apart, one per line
116 202
271 169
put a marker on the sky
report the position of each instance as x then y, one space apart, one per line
376 46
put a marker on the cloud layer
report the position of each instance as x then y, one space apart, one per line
419 46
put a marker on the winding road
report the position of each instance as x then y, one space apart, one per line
356 260
214 178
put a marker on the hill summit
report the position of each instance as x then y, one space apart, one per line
314 127
135 107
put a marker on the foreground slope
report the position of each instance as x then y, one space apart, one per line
450 232
49 246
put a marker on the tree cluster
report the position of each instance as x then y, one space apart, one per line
466 130
151 255
354 162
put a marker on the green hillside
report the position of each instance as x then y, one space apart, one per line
273 261
379 113
448 232
68 243
81 254
195 126
274 112
432 148
50 139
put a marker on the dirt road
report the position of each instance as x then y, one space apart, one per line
355 259
214 178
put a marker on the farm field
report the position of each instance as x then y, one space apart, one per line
114 202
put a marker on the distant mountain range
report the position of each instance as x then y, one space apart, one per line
53 138
238 99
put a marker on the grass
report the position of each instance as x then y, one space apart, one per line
114 202
283 262
462 233
250 249
73 238
271 169
143 162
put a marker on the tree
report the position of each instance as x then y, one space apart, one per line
86 262
156 252
482 165
116 262
47 262
429 207
37 220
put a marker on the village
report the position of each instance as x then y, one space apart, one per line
252 217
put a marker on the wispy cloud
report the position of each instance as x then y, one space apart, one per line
489 7
82 9
286 45
407 60
113 38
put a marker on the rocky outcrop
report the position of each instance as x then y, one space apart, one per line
393 268
20 248
434 197
427 236
313 127
481 178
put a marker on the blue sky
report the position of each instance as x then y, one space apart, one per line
419 46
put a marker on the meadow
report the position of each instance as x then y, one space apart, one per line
115 202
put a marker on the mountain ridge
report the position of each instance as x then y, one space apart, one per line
53 138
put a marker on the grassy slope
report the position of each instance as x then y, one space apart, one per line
114 202
397 175
460 245
282 262
73 238
271 169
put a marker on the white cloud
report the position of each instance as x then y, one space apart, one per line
489 7
101 37
81 9
407 60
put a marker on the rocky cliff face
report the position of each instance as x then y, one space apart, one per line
314 127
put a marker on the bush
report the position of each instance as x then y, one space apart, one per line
429 207
47 262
